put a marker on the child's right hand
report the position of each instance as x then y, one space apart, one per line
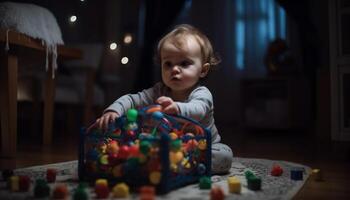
105 119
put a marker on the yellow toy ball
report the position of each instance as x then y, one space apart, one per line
121 190
202 144
104 159
173 135
175 157
155 177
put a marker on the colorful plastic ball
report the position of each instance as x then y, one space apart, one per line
191 145
201 169
176 145
117 131
202 144
174 167
131 115
154 108
173 135
217 193
112 147
155 177
104 160
145 147
176 157
132 126
60 192
134 150
157 115
130 133
120 190
123 152
186 164
187 136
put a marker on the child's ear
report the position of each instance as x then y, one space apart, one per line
205 70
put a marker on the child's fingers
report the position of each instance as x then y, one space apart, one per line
105 122
164 101
171 109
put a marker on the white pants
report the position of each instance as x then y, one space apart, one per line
221 158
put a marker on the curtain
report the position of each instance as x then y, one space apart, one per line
159 15
256 24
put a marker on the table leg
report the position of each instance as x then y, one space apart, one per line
8 104
49 95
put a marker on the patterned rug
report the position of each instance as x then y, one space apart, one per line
281 187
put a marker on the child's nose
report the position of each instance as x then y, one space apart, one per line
175 69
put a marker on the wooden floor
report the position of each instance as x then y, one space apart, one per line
277 146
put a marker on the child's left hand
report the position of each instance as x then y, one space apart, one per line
168 105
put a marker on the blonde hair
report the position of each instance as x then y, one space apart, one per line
208 55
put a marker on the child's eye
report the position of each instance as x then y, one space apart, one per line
167 64
185 63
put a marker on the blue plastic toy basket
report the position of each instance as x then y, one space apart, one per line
146 147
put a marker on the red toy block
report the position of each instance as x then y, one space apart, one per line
102 191
147 193
24 183
51 175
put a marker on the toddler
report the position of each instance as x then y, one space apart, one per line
185 56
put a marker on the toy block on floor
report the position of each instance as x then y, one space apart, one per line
234 185
296 174
254 183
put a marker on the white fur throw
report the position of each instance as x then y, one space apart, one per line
34 21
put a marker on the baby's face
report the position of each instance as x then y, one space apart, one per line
181 62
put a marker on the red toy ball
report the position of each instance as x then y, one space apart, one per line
276 170
60 192
102 191
217 193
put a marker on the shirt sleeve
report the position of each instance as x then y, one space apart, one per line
140 99
198 105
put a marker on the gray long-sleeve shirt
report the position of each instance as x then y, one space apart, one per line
199 105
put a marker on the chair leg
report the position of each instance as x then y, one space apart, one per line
8 104
49 95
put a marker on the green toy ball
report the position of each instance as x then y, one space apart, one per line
131 115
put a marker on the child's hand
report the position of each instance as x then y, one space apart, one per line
168 105
105 119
